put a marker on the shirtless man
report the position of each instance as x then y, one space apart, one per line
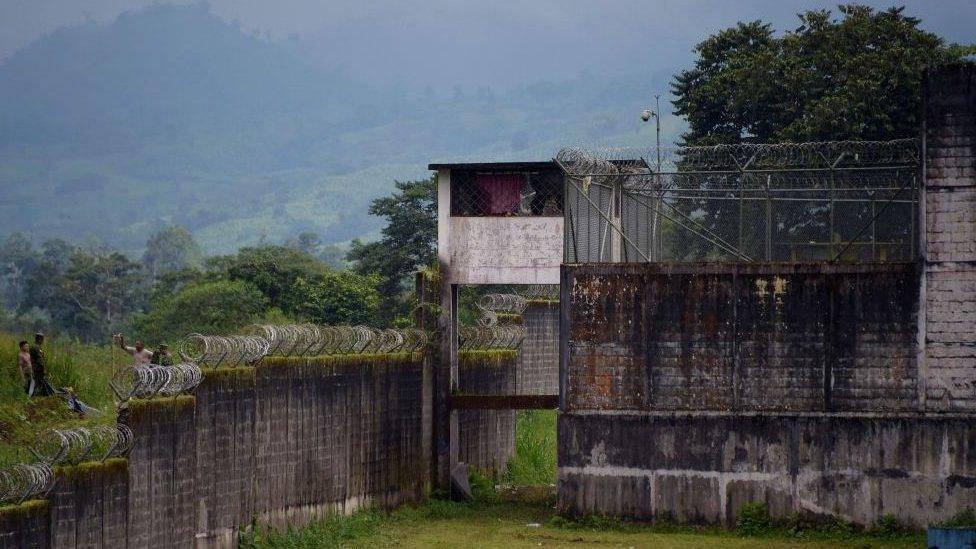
25 368
140 354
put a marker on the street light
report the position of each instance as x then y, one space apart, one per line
656 241
656 114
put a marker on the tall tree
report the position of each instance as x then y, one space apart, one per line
858 77
409 242
171 249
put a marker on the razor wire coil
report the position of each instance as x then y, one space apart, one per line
146 381
72 446
25 481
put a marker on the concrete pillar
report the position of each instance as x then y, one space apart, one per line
947 338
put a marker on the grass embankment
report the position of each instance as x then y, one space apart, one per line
87 368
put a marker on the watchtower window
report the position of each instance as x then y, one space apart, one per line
506 194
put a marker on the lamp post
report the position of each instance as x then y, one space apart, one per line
656 242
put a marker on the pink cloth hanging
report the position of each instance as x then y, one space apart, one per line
500 192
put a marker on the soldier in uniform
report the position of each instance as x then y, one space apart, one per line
38 362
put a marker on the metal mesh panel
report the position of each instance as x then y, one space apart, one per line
506 194
831 201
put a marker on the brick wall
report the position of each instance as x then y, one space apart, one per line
538 366
950 239
741 337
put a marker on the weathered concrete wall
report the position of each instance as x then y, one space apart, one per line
487 437
741 337
26 525
949 248
503 250
701 467
538 360
286 442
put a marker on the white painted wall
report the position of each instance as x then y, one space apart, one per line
504 250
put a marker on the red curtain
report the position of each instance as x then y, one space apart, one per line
501 192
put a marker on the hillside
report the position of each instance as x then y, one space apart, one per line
171 115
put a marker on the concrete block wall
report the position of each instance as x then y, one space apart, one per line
949 247
741 337
487 437
538 366
701 467
283 443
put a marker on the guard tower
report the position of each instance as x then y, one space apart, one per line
498 223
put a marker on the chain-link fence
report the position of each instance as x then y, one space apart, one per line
506 194
824 201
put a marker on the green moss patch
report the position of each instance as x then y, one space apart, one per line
487 358
28 509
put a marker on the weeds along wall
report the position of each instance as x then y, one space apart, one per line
279 444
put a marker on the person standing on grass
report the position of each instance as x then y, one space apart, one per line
38 364
25 368
140 354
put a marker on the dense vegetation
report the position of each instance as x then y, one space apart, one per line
857 77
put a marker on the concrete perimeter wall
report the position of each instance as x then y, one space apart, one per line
538 367
487 437
845 390
280 444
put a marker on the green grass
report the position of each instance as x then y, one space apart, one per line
531 522
534 462
87 368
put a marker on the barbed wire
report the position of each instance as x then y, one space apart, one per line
147 381
603 161
24 481
473 338
72 446
261 340
229 350
540 291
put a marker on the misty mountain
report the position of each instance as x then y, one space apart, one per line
171 115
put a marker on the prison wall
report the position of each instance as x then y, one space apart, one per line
692 389
279 444
538 360
949 247
486 438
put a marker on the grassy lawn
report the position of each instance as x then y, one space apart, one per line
510 524
86 368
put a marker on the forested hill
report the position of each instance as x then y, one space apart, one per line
171 115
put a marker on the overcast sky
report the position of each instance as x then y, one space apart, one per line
499 42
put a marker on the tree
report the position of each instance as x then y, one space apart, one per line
336 297
171 249
17 261
272 269
856 78
213 307
306 241
409 242
96 295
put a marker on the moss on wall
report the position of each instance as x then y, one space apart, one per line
28 509
487 357
234 378
329 361
111 466
141 408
